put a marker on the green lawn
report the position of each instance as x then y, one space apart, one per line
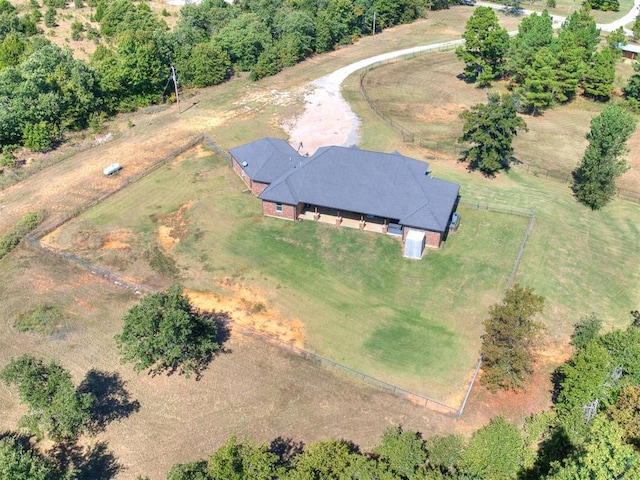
581 261
416 324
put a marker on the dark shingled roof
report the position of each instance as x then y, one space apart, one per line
387 185
267 159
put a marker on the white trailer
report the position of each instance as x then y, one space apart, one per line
111 169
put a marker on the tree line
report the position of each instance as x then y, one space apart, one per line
45 92
543 70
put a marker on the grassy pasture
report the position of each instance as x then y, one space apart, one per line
415 324
424 96
581 261
567 7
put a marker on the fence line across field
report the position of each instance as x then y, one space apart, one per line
34 240
456 148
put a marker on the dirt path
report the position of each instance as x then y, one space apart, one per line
328 118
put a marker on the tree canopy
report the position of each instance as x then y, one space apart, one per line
165 333
594 179
490 129
55 408
508 339
485 48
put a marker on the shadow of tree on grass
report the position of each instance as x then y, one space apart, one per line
113 401
94 462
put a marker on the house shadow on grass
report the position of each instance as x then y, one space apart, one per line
113 401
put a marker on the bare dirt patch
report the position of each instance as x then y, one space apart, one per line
118 239
248 307
174 227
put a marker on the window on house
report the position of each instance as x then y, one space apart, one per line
278 207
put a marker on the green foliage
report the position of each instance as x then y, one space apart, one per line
55 3
570 65
636 28
602 456
485 48
586 330
207 65
626 413
583 27
585 382
632 89
508 339
534 33
322 461
599 74
445 453
50 17
402 452
540 84
13 49
491 129
161 262
594 179
550 3
623 347
164 333
19 463
605 5
37 137
78 3
615 41
189 471
43 319
12 237
495 451
239 461
77 28
55 408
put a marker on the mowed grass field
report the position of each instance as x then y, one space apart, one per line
423 95
416 324
581 261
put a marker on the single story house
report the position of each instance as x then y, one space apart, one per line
630 51
390 191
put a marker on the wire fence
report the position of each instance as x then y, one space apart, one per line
458 148
34 240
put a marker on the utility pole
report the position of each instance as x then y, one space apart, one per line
373 33
174 77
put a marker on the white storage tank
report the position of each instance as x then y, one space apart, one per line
111 169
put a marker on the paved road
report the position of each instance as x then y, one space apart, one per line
328 118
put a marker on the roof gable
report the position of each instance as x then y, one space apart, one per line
265 160
388 185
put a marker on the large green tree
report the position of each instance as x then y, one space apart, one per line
490 128
20 463
495 451
485 48
594 179
508 339
55 408
602 456
534 33
599 74
540 84
165 333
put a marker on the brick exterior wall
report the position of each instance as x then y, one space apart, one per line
258 187
241 173
432 239
289 212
